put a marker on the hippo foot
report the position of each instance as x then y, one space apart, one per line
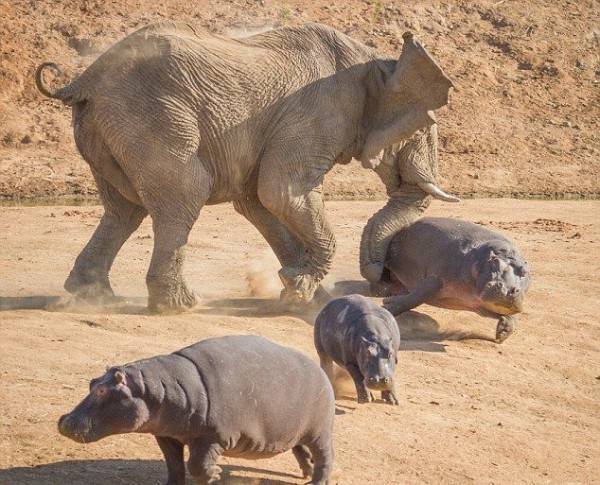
176 299
304 460
389 397
92 290
307 470
364 398
299 288
504 329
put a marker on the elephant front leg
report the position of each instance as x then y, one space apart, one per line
305 218
89 277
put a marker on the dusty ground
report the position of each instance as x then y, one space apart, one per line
471 411
523 122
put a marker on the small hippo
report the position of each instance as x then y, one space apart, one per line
240 396
458 265
364 339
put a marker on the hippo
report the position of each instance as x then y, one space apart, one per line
364 339
239 396
455 264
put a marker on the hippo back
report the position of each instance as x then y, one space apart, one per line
264 397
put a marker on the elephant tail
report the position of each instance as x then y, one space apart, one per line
66 94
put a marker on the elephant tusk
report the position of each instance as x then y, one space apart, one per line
436 192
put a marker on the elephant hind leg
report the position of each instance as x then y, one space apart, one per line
174 200
89 276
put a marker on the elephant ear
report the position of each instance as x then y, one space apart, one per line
415 88
421 80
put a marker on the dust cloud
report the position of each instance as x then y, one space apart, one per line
261 276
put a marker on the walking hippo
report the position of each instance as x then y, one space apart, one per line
458 265
235 396
364 339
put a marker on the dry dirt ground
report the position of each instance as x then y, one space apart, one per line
524 120
526 411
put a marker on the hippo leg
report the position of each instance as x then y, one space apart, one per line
505 327
359 381
322 453
419 295
303 457
202 463
327 366
389 396
173 451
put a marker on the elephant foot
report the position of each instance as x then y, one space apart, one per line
381 289
91 290
299 288
168 298
372 271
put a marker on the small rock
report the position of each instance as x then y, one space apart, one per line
26 140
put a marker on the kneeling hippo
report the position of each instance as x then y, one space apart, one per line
235 396
459 265
364 339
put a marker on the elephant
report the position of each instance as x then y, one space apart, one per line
174 117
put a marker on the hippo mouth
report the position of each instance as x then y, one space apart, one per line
80 431
382 384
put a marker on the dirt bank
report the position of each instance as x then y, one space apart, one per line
524 120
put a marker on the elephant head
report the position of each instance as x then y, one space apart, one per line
409 171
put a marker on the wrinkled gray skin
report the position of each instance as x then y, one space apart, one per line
458 265
234 396
364 339
173 117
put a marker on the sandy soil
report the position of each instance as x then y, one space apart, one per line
524 120
526 411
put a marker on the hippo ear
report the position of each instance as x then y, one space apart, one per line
120 378
94 381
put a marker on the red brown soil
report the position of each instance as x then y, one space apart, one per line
524 120
471 411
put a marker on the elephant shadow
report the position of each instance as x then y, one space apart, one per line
132 472
72 304
258 308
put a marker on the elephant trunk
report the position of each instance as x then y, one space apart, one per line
399 212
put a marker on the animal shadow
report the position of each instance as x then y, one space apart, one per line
72 304
258 308
131 472
422 332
